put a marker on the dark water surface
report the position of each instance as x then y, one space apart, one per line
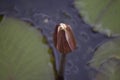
45 14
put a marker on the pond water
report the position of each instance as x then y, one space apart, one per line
45 15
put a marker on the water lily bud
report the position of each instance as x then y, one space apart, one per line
64 39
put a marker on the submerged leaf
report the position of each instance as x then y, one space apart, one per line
108 50
23 56
102 14
109 70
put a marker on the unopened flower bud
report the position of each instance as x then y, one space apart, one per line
64 39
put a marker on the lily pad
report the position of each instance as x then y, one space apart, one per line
23 56
110 70
110 49
102 14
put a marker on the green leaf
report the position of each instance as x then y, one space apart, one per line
102 14
23 56
108 50
110 70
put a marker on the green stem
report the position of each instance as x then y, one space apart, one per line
62 67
